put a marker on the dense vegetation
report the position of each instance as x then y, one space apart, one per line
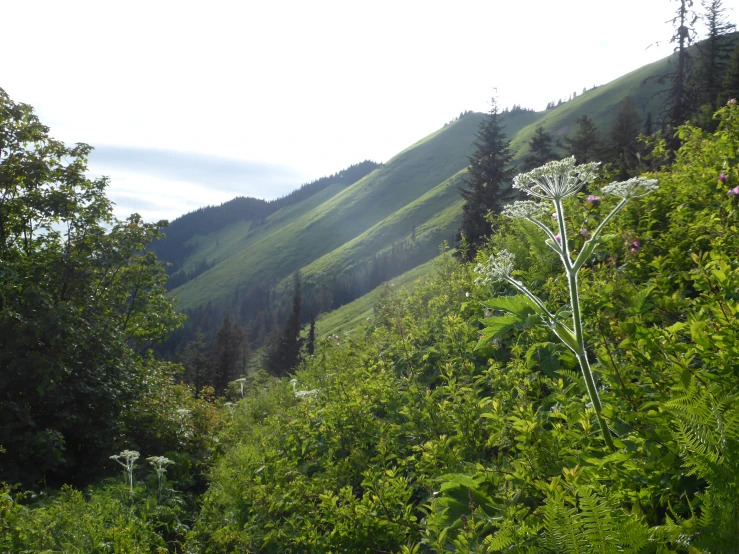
495 407
413 439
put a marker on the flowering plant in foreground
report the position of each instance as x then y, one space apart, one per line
553 182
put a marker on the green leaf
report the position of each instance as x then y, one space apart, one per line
519 305
544 356
495 327
585 253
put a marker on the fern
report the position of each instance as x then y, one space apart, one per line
581 520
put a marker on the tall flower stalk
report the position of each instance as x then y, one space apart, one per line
127 459
551 184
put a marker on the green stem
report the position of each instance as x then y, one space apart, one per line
581 354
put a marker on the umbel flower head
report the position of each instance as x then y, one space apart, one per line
633 188
498 267
525 208
556 180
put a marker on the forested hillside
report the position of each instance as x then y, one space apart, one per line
347 239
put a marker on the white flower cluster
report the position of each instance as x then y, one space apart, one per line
300 394
160 463
556 180
129 457
498 267
527 209
633 188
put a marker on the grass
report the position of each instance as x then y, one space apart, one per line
353 316
343 227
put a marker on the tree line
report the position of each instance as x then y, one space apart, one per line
698 81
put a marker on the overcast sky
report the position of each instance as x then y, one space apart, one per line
193 103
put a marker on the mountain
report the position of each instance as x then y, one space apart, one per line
348 238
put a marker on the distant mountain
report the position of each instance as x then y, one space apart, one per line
347 238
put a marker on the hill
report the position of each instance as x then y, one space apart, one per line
347 239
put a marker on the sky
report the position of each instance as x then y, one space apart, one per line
193 103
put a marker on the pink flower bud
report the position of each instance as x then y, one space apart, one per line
722 177
593 200
558 238
734 191
732 101
554 216
584 232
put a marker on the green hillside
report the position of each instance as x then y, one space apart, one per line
405 208
278 250
354 315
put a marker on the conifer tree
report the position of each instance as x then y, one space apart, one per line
488 181
540 149
283 353
649 125
226 354
194 359
731 79
624 132
310 344
586 144
714 53
680 93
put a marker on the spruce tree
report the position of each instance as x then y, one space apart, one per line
731 79
625 130
283 353
226 355
540 149
586 144
310 344
714 53
194 359
680 97
488 181
649 125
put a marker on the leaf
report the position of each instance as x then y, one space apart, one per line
585 253
496 326
544 356
519 305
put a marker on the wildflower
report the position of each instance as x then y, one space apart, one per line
593 200
722 177
555 217
633 188
498 267
584 232
635 246
734 191
528 209
732 101
558 238
556 180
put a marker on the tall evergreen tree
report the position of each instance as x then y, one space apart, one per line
226 355
680 98
488 181
624 132
310 344
283 353
730 88
649 125
586 144
541 149
194 359
714 53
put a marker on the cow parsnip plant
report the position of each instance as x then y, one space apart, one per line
551 184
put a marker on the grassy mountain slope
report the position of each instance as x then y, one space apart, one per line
412 201
351 316
643 85
341 218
